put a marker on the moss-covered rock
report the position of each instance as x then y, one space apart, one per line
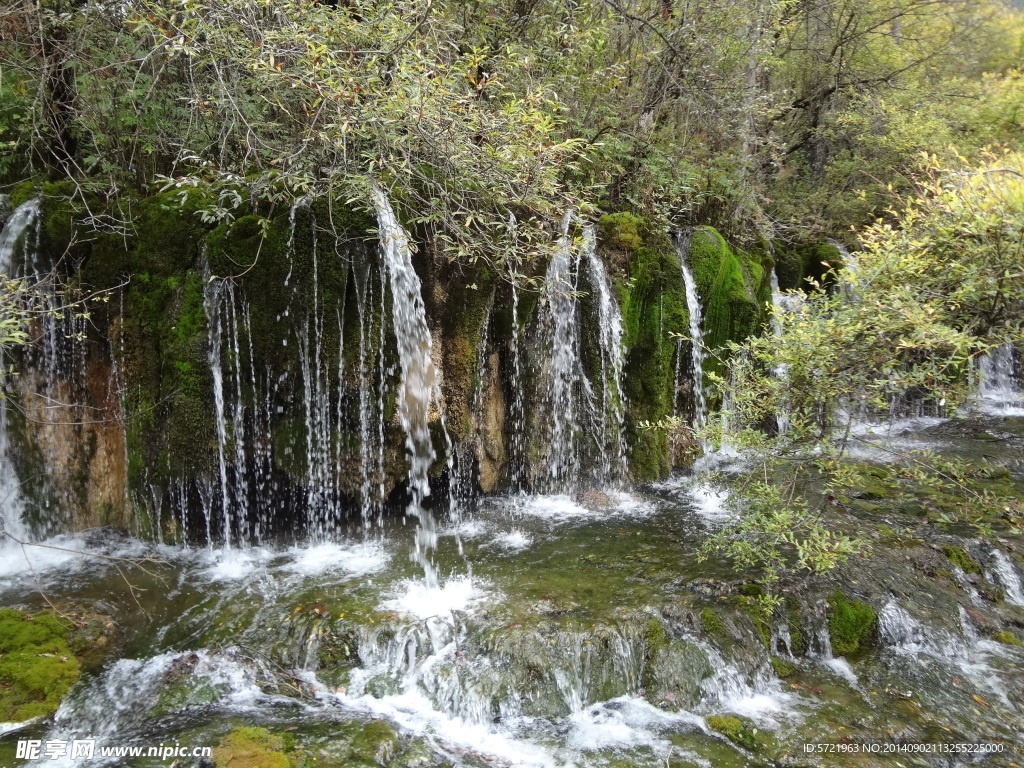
1007 638
254 747
959 557
735 730
645 269
796 265
851 624
37 667
710 622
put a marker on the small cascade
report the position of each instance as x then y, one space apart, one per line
611 447
565 379
850 272
464 479
697 352
999 388
1005 574
52 384
417 388
517 404
783 304
13 246
212 305
586 412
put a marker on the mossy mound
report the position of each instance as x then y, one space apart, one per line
710 622
645 270
734 288
735 730
254 747
851 623
1007 638
959 557
37 667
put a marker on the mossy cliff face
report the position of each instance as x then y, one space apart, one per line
256 354
733 287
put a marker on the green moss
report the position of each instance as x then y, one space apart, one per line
797 264
850 623
959 557
754 608
253 747
622 230
734 730
1007 638
734 288
711 623
783 668
37 668
22 192
656 636
653 299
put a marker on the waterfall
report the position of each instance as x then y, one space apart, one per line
416 389
999 388
1006 576
565 375
12 235
579 419
612 413
697 353
211 303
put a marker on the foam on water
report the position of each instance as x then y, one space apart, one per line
416 598
414 711
468 529
552 508
512 541
63 553
360 559
710 503
626 723
233 564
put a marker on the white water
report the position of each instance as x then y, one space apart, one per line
586 416
612 464
697 351
1008 578
13 235
565 378
416 390
998 389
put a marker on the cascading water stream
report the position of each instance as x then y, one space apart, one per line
565 375
697 351
612 413
580 420
999 388
1006 575
13 235
416 389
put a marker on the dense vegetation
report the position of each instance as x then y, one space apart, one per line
769 119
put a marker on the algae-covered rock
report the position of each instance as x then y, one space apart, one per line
1007 638
850 623
734 729
254 747
711 623
37 667
959 557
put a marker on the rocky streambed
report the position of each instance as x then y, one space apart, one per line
563 631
